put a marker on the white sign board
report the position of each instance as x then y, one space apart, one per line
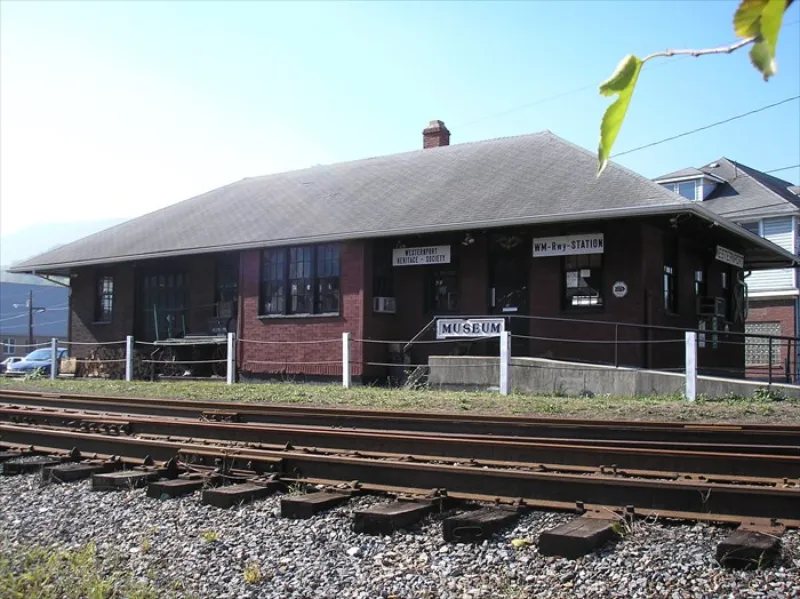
436 254
730 257
620 289
469 327
568 245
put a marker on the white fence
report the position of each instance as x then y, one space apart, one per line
505 384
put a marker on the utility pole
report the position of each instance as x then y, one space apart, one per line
31 310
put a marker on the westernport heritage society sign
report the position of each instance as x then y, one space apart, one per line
568 245
469 327
437 254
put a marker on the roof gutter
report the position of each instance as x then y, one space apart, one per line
606 214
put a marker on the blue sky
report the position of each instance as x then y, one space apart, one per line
112 109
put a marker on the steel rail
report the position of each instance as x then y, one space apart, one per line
780 499
14 412
459 423
548 452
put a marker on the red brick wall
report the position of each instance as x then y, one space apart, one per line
780 310
82 305
283 358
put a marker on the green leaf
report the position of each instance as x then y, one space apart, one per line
621 84
746 20
762 54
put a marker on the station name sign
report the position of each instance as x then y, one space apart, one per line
568 245
730 257
435 254
469 327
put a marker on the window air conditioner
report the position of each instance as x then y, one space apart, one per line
387 305
711 306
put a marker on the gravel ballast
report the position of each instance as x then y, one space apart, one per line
208 552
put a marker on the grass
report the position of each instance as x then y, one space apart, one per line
252 573
762 407
51 573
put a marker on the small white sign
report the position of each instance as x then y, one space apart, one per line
469 327
620 289
436 254
572 279
730 257
568 245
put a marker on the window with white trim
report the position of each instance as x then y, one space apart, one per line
691 190
10 346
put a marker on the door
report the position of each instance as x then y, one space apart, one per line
509 293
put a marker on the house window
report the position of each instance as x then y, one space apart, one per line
104 299
10 346
728 285
700 283
442 286
583 281
687 189
753 227
382 276
671 275
756 349
327 299
226 285
300 280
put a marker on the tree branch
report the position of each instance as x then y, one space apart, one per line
696 53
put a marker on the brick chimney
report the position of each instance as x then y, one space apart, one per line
435 135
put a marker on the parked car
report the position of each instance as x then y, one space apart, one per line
38 359
10 360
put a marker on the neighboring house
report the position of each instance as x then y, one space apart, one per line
50 320
518 228
769 207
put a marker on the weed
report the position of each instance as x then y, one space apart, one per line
53 573
209 536
252 573
146 545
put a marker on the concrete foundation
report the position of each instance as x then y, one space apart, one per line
553 377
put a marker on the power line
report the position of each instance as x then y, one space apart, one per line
648 67
712 125
784 168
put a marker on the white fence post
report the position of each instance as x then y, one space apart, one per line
230 371
691 365
505 362
53 358
129 358
346 360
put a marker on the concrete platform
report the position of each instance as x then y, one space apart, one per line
478 525
178 487
32 464
72 471
747 549
232 495
125 479
576 538
300 507
385 518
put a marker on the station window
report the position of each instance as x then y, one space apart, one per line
671 275
442 290
382 275
583 281
729 292
300 280
10 346
104 299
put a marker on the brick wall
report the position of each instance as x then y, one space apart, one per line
781 310
83 327
282 358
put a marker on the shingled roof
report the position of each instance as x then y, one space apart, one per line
746 192
516 180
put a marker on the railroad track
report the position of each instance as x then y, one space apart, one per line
456 423
676 459
746 475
